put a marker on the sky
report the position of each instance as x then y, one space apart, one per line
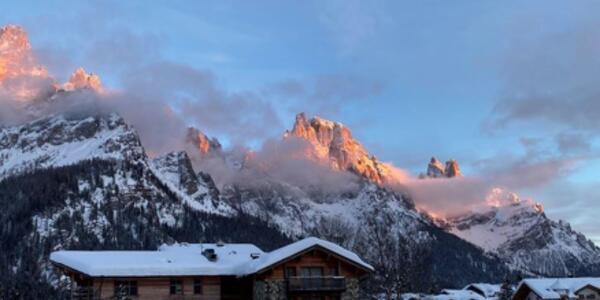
505 87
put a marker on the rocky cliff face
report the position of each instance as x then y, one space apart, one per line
80 79
21 76
334 142
196 190
16 58
202 143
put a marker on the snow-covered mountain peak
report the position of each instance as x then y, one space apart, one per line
518 230
64 140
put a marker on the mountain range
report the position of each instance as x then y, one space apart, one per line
84 180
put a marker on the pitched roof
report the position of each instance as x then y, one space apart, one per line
550 288
488 289
169 260
291 250
450 294
187 259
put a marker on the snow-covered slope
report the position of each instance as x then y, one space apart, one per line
380 225
297 212
519 231
197 190
86 183
60 141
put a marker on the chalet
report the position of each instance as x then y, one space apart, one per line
582 288
307 269
486 290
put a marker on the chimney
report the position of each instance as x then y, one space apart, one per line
210 254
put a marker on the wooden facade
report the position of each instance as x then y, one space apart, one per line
587 292
315 273
322 273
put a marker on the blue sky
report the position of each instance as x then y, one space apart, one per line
493 84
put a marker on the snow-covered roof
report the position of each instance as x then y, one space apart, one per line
450 294
488 289
187 259
551 288
300 246
169 260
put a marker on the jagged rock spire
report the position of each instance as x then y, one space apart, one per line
452 169
80 79
334 142
436 169
202 142
20 74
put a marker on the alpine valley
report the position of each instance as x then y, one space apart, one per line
83 180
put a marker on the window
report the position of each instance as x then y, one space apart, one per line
125 288
290 272
591 296
176 287
334 272
312 272
198 286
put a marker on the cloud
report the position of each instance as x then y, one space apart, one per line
447 197
551 77
324 94
279 162
160 98
573 143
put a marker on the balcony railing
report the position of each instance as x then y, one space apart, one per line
315 284
84 293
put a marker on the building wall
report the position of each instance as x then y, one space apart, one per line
589 293
159 288
315 258
532 296
271 285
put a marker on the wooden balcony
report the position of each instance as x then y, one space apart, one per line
316 284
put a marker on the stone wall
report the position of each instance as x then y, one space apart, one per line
352 289
275 290
269 290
